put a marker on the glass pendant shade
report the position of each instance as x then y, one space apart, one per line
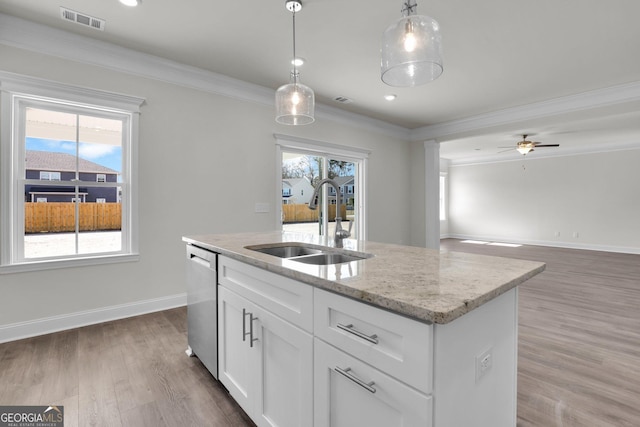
295 104
411 51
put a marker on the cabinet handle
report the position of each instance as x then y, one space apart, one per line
251 338
347 373
349 328
246 313
244 324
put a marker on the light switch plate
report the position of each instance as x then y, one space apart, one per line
262 208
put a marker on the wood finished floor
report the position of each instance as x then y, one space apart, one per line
579 337
579 356
131 372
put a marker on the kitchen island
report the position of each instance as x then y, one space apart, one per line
403 336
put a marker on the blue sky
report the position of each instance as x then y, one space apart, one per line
102 154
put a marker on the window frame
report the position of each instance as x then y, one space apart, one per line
16 91
288 143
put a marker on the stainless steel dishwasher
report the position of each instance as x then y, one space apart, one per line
202 317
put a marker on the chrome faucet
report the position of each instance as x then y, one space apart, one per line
341 233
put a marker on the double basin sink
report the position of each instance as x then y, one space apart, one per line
309 254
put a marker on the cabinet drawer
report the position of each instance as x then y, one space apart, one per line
396 345
351 393
287 298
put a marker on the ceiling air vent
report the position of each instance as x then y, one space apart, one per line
82 19
343 100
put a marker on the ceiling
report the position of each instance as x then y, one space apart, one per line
500 56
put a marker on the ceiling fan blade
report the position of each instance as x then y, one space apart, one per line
547 145
504 151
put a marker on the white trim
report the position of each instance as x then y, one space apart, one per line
80 261
23 34
592 149
432 193
49 89
17 93
321 147
325 149
553 244
47 325
606 97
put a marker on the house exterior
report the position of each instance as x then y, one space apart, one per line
347 192
49 166
296 191
299 190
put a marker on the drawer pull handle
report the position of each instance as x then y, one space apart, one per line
349 328
346 372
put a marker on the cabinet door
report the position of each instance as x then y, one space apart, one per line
236 360
362 395
285 373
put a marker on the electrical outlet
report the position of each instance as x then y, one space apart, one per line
576 234
484 362
557 234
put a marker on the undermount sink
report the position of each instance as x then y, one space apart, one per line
309 254
328 258
286 251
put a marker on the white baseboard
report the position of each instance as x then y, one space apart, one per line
550 243
47 325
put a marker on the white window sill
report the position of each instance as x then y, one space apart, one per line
68 263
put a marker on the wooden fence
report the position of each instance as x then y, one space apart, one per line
60 217
302 213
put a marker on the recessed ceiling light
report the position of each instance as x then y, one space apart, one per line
298 62
130 2
390 97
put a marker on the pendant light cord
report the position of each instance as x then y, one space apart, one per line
295 70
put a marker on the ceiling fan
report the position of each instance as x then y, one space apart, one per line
525 146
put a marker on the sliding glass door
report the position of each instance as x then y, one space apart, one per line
302 170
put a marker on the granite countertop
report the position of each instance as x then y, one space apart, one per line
425 284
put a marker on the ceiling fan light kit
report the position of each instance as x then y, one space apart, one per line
295 102
524 147
411 51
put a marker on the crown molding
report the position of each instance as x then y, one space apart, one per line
591 149
23 34
581 102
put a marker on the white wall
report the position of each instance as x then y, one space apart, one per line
595 195
204 161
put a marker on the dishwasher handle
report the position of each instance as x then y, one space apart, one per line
201 261
201 256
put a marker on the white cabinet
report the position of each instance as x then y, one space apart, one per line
294 355
396 345
351 393
265 362
371 367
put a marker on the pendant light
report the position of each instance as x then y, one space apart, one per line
295 102
411 49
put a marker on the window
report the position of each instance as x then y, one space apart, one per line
49 176
85 135
311 161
